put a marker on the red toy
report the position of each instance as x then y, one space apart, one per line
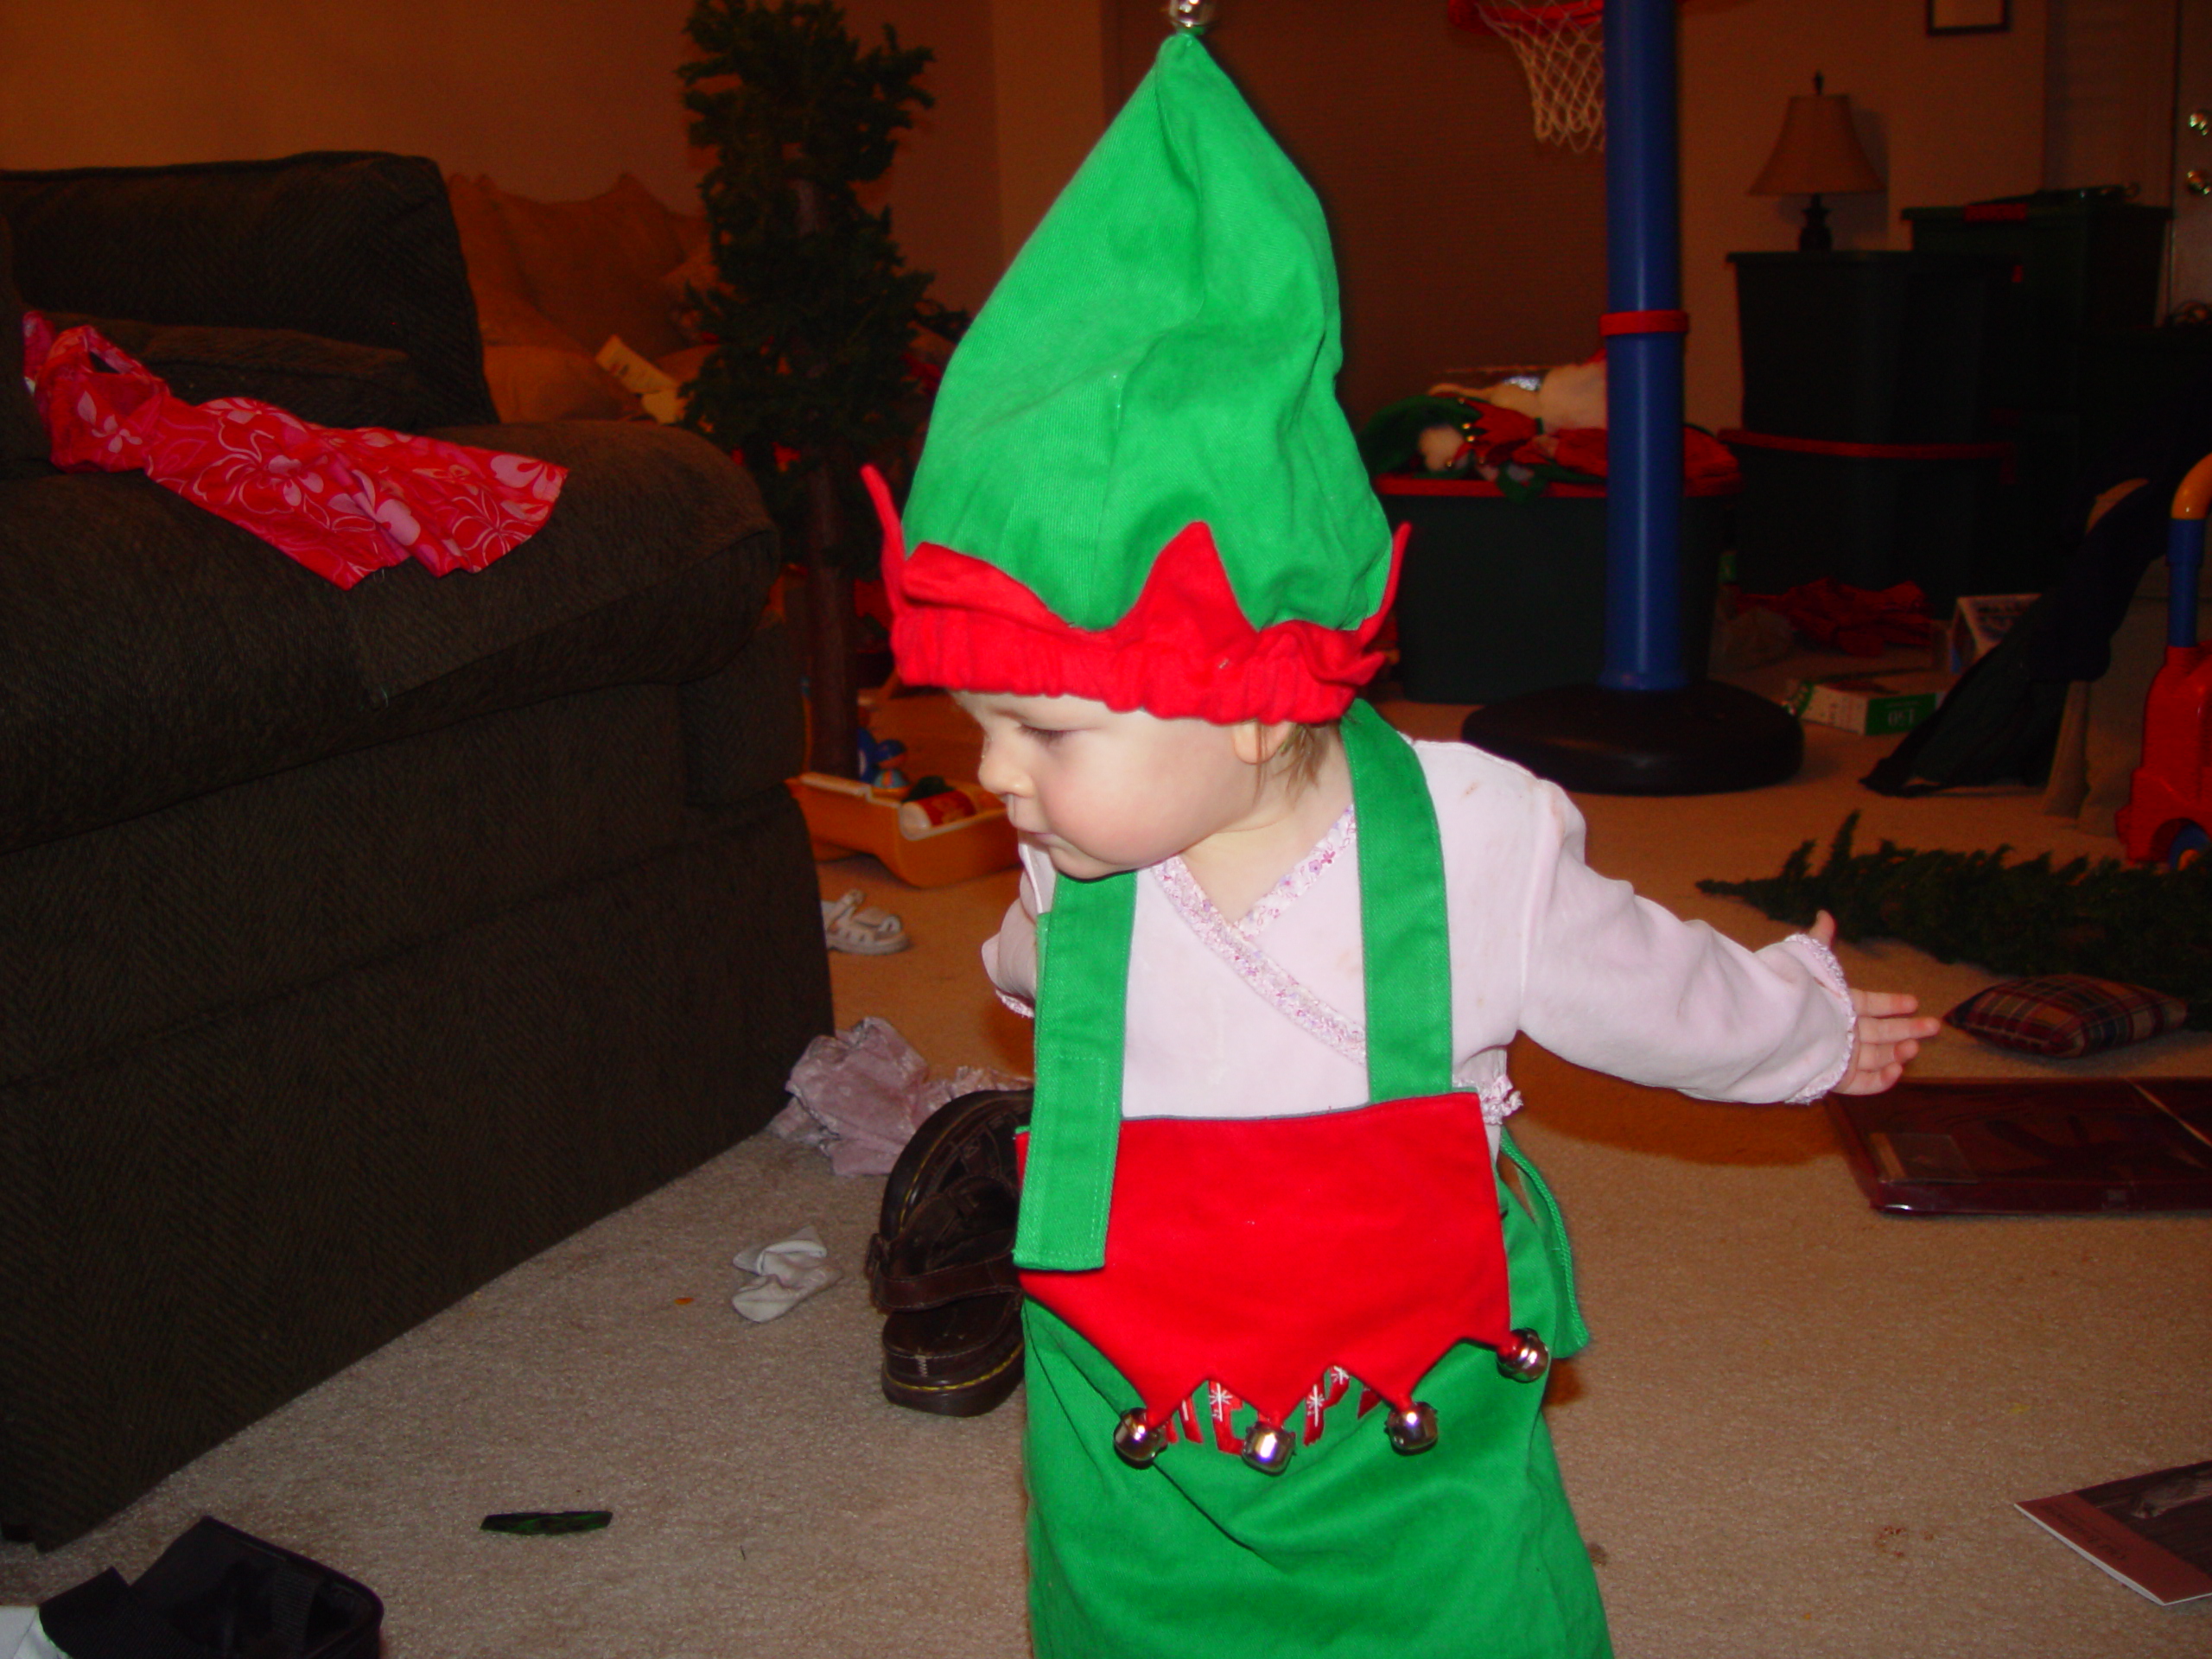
2168 809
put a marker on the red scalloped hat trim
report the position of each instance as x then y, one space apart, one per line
1183 651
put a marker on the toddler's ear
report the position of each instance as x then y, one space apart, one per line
1256 744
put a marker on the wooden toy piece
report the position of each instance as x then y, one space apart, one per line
2169 810
844 815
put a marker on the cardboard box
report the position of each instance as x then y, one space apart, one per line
1978 622
1872 705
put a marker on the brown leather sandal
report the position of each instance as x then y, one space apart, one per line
941 1267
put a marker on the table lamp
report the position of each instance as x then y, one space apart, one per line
1818 154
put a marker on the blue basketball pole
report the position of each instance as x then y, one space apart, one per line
1652 724
1643 370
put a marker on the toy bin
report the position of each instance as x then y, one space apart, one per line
1867 347
1498 597
2080 262
844 817
2084 265
1873 521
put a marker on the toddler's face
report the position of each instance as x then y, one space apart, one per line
1102 792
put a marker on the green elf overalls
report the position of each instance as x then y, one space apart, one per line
1139 488
1297 1286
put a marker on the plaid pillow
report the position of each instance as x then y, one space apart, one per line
2065 1016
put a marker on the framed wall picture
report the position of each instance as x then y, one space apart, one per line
1970 17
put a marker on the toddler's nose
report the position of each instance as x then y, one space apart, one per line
994 773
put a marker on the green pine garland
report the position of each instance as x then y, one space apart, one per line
813 323
2140 924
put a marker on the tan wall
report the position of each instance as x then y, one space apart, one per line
1051 105
1945 119
554 99
943 188
2109 77
1463 243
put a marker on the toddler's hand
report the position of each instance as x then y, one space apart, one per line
1888 1035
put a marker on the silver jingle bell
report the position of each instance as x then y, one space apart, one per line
1525 1358
1137 1440
1193 16
1268 1448
1413 1429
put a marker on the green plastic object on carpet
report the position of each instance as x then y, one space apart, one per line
2137 924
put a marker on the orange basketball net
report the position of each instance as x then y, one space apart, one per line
1562 52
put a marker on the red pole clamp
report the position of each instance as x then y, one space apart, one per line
1645 322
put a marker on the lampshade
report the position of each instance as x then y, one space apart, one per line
1818 153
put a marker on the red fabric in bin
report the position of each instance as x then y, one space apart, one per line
1502 437
1863 621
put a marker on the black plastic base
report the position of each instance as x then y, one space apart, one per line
1706 739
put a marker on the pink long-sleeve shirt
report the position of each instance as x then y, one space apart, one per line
1264 1016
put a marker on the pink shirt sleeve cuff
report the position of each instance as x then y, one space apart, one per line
1829 972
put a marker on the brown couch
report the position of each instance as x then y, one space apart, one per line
354 946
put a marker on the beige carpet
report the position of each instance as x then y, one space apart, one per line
1800 1431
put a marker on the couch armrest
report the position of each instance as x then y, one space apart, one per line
151 651
352 246
745 725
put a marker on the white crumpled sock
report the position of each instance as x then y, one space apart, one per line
21 1637
785 1273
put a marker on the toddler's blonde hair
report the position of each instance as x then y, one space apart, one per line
1303 750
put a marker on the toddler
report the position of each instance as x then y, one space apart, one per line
1284 1321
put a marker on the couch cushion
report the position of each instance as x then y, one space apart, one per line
23 434
203 1224
546 383
384 848
151 651
329 382
595 267
505 314
351 246
642 503
538 370
692 231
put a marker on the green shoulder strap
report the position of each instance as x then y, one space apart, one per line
1404 942
1075 1121
1083 944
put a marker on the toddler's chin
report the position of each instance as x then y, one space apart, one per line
1080 865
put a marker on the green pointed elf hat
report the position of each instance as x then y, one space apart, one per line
1138 484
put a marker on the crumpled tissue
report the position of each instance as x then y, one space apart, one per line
860 1094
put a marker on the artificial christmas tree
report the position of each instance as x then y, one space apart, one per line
2137 924
816 313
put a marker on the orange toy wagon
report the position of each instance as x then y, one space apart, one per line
844 815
